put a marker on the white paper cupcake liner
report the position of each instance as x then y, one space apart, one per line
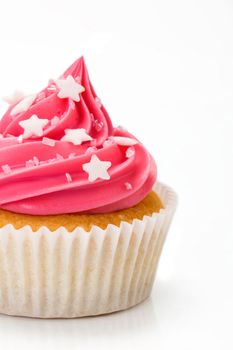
72 274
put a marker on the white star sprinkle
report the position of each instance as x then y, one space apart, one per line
76 136
124 141
97 169
33 126
23 105
69 88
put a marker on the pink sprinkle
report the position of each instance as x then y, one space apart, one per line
59 156
52 160
68 177
98 101
20 138
98 125
6 169
30 164
52 87
92 149
36 161
128 186
55 120
48 142
130 152
71 155
107 143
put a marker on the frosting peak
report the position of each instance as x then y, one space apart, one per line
59 153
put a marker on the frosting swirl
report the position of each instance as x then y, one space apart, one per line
59 153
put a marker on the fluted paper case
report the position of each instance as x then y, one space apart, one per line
73 274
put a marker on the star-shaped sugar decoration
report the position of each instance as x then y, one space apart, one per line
97 169
76 136
33 126
69 88
23 105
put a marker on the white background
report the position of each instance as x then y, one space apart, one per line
163 69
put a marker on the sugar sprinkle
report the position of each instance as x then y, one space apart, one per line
48 142
130 152
124 141
91 149
71 155
55 120
98 101
59 156
107 143
68 177
29 164
6 169
20 138
128 186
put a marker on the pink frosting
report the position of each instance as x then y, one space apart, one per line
41 179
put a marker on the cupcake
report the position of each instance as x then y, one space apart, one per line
82 216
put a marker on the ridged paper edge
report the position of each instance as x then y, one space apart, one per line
79 273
